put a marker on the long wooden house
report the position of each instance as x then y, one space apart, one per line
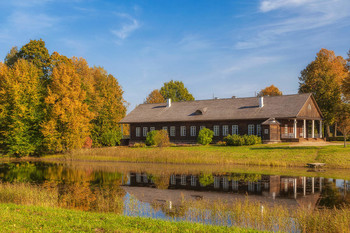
273 118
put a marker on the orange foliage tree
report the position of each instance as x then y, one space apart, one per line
154 97
270 91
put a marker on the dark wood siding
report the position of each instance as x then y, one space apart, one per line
309 110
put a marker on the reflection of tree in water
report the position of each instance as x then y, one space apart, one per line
331 197
21 172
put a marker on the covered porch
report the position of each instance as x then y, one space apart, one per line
301 129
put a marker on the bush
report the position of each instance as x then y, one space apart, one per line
205 136
221 143
137 145
150 138
161 138
111 137
236 140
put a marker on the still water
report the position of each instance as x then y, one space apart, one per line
161 193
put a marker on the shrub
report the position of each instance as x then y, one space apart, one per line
221 143
111 137
161 138
150 138
139 144
205 136
236 140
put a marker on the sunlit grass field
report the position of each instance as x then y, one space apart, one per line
261 155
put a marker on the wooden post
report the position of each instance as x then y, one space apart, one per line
313 129
304 185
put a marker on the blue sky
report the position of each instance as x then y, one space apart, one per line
221 47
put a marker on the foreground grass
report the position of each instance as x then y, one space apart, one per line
262 155
16 218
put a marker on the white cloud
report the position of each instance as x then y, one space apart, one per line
23 21
269 5
299 15
127 27
193 42
248 63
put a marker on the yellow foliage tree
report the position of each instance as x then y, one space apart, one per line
154 97
68 117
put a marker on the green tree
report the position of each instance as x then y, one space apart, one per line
323 78
11 57
176 91
346 81
205 136
150 138
270 91
21 108
154 97
68 118
107 104
35 52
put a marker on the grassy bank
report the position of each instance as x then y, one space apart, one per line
16 218
262 155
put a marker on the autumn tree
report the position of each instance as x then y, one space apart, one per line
323 78
346 81
35 52
270 91
21 108
68 118
176 91
343 119
154 97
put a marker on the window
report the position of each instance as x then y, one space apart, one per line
193 181
165 128
250 129
172 131
216 182
235 185
193 131
201 127
266 131
234 129
183 179
258 130
216 130
225 183
224 130
285 128
138 131
145 131
152 128
138 178
183 131
145 178
173 179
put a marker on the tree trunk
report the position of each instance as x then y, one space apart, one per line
328 131
335 129
344 140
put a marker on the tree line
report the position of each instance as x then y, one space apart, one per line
50 103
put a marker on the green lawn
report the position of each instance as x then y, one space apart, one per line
16 218
264 155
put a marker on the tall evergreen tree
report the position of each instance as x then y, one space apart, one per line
21 108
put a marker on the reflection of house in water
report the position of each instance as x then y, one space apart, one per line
274 189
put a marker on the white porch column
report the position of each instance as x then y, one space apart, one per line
304 185
313 129
295 128
295 188
304 129
320 129
313 185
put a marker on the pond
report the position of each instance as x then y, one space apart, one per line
197 193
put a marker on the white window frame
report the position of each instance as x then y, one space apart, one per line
193 131
145 178
138 177
201 127
225 184
234 129
286 129
224 130
152 129
183 180
183 131
165 128
235 185
266 131
251 129
216 182
216 129
258 130
193 181
172 131
144 131
173 179
138 131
